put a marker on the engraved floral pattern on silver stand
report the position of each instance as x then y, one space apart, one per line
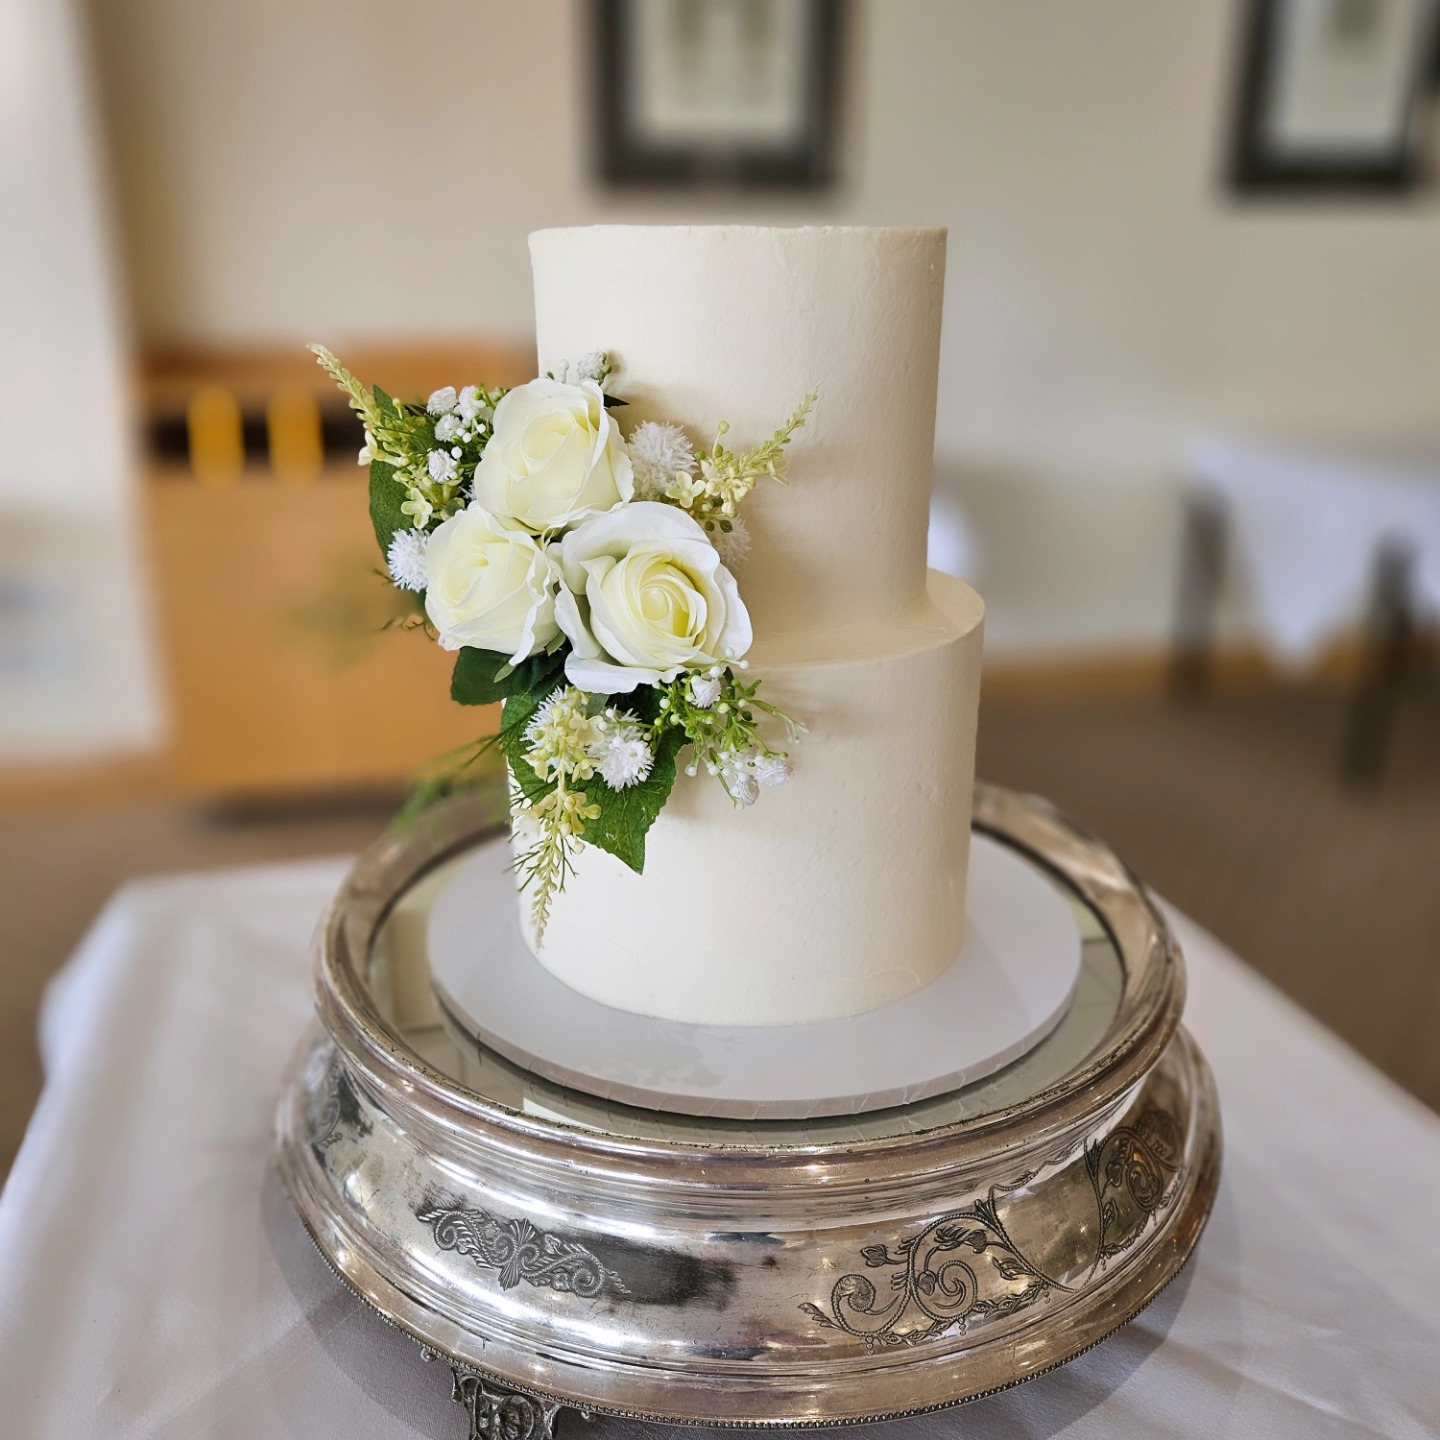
963 1268
519 1251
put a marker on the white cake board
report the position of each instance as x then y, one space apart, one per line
1007 989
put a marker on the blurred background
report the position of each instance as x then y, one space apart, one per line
1188 442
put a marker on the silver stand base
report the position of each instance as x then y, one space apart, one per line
560 1251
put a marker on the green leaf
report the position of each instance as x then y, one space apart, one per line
386 497
539 673
627 815
473 681
387 406
643 702
481 677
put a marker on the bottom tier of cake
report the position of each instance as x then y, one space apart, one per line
838 892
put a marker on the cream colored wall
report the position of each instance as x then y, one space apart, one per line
77 675
1105 304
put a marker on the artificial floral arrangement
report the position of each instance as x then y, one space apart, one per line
569 565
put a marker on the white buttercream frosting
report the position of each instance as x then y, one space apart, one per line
738 323
838 892
843 889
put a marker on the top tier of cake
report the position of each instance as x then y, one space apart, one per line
738 323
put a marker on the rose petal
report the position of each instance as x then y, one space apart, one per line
599 677
572 624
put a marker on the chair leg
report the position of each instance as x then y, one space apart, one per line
1384 663
1202 565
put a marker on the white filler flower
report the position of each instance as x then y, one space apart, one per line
622 754
644 596
590 366
406 559
771 770
554 457
489 584
738 777
659 453
734 543
705 689
469 405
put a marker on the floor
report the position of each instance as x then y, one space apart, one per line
1231 809
1234 812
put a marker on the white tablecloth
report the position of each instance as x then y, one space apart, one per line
1308 527
154 1283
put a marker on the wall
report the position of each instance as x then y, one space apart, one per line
76 675
1105 303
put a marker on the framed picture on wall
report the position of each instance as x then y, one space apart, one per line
1333 95
738 92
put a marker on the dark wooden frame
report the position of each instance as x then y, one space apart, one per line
1253 172
621 158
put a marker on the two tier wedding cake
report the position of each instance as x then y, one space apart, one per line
737 722
685 609
844 889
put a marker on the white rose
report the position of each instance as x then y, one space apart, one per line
554 456
490 584
644 597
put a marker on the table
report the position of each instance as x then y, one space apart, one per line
1325 541
153 1281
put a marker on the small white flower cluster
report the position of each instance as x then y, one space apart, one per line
706 687
462 416
716 712
406 559
423 450
462 420
563 738
744 773
732 540
667 469
622 751
664 460
595 365
592 366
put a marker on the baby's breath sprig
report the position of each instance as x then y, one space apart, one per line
432 449
717 713
595 366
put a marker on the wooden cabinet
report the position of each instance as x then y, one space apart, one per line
282 674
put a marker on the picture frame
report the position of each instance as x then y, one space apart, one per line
737 93
1332 96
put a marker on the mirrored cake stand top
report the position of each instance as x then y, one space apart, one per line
572 1250
1011 983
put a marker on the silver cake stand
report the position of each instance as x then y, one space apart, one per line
560 1250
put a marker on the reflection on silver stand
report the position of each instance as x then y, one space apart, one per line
561 1250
